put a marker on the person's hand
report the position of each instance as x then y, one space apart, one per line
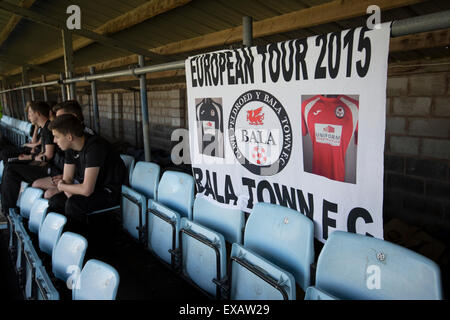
24 157
60 184
38 157
56 179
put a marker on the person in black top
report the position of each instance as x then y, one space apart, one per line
49 183
91 161
25 169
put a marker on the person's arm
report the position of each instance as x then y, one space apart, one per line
67 177
49 152
86 188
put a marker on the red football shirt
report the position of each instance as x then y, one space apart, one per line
331 123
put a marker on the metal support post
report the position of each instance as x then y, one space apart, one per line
247 31
63 87
144 110
44 89
95 103
32 92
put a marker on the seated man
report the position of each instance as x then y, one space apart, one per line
93 163
49 183
14 173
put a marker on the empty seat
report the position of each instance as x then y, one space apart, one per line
46 289
37 215
50 232
28 197
353 266
202 243
228 222
313 293
97 281
255 278
26 200
129 164
174 201
282 236
68 256
143 186
203 256
32 263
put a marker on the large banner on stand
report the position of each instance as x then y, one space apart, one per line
299 123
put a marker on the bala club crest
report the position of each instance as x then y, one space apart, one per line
260 133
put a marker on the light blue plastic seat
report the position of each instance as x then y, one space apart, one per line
226 221
129 164
46 289
68 256
97 281
51 231
174 201
176 191
255 278
202 243
143 186
313 293
29 195
37 215
282 240
32 263
2 167
283 236
353 266
23 186
203 256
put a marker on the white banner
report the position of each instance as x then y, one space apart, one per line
299 123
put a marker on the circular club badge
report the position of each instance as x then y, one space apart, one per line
260 133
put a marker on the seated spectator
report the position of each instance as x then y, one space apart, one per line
26 169
48 184
91 161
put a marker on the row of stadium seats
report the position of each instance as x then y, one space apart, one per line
271 254
95 280
16 131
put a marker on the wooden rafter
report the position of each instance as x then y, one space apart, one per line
140 14
13 21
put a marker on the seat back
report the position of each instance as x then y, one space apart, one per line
50 231
46 289
32 262
129 164
133 208
1 170
68 255
314 293
353 266
203 255
255 278
283 236
97 281
163 230
145 179
23 186
226 221
27 199
37 215
176 191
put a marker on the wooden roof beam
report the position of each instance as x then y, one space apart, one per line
58 24
13 21
140 14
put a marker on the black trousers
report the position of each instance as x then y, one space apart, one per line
13 174
77 207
